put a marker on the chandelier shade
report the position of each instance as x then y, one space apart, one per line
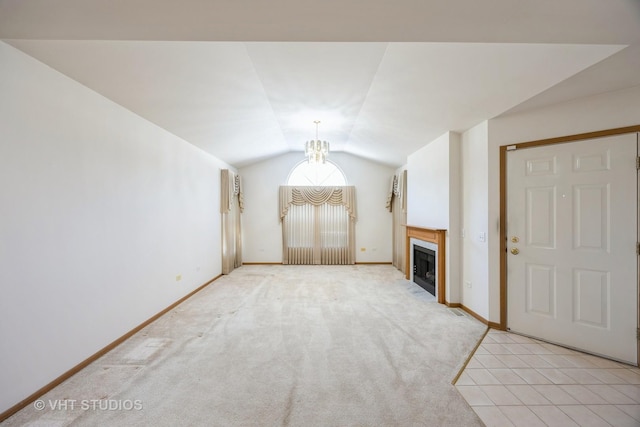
316 150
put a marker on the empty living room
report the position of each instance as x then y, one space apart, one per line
409 213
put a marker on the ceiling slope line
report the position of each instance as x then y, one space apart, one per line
357 115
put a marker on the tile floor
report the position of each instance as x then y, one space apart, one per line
513 380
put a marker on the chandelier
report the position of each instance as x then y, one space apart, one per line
315 150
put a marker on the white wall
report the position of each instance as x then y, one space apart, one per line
434 199
594 113
262 233
100 211
428 185
475 223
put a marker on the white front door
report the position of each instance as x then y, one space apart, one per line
572 230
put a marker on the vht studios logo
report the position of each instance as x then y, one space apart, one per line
88 405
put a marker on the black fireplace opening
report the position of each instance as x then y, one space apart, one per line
424 268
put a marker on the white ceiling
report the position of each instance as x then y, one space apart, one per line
244 80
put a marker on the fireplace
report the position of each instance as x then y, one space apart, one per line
434 240
424 268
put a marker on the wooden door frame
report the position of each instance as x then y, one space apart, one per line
503 201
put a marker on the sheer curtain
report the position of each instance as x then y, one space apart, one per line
318 225
397 205
231 206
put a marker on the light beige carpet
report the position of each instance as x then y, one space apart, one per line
282 346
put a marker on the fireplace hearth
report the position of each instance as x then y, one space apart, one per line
424 268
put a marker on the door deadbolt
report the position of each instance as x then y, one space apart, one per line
515 239
515 251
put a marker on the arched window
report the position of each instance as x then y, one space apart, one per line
317 175
318 222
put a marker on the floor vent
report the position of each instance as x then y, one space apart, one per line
456 311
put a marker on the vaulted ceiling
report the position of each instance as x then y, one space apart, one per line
245 79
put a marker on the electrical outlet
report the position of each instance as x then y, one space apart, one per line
467 283
178 277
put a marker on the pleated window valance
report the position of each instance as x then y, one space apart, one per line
230 187
343 195
397 190
390 195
